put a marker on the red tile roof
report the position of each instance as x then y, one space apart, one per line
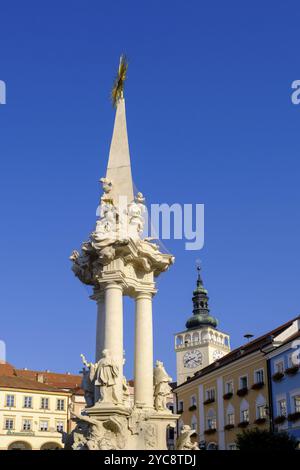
8 381
40 380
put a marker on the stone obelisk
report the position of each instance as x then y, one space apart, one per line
117 261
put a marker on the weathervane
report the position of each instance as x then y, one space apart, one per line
117 92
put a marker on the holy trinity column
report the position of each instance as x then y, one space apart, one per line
119 261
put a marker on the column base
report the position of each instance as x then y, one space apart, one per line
115 427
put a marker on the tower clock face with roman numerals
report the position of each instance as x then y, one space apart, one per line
192 359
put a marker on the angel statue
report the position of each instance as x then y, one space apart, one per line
162 388
184 441
88 381
106 378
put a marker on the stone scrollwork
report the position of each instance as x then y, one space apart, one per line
94 434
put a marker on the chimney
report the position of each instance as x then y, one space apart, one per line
40 378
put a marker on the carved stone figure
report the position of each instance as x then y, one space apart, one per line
184 441
106 374
88 381
162 388
93 434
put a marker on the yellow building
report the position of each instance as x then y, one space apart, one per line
230 394
35 412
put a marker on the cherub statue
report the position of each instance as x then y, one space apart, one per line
184 441
162 388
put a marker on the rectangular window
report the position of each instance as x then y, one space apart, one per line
27 402
297 404
193 401
10 400
244 382
245 415
279 367
44 425
9 424
26 425
229 387
210 394
59 426
259 376
60 404
180 406
230 418
44 403
261 411
211 423
282 407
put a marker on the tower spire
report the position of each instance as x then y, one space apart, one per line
201 316
118 171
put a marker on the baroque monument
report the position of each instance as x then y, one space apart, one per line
119 261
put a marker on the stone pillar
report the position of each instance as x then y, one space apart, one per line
113 329
100 325
143 359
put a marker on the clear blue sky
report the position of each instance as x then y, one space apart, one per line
210 121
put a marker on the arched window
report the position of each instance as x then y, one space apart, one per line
194 423
211 420
187 338
179 340
196 337
260 407
244 411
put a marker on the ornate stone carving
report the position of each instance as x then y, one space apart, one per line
162 388
88 381
94 434
106 375
184 441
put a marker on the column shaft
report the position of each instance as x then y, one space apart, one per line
100 326
113 329
143 360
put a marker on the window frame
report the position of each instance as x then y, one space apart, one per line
8 418
30 399
244 376
41 404
40 425
14 400
25 428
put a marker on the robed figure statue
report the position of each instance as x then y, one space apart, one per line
106 374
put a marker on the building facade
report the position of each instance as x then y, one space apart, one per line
35 408
285 386
232 393
201 343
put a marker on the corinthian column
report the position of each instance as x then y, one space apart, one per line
143 359
113 328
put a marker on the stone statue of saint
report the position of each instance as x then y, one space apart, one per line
88 381
106 375
162 388
184 441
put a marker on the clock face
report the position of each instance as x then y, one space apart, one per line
217 354
192 359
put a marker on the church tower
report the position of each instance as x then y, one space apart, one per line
201 343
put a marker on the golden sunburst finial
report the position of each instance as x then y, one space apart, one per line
118 87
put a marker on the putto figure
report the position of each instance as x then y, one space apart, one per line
185 441
162 388
106 378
